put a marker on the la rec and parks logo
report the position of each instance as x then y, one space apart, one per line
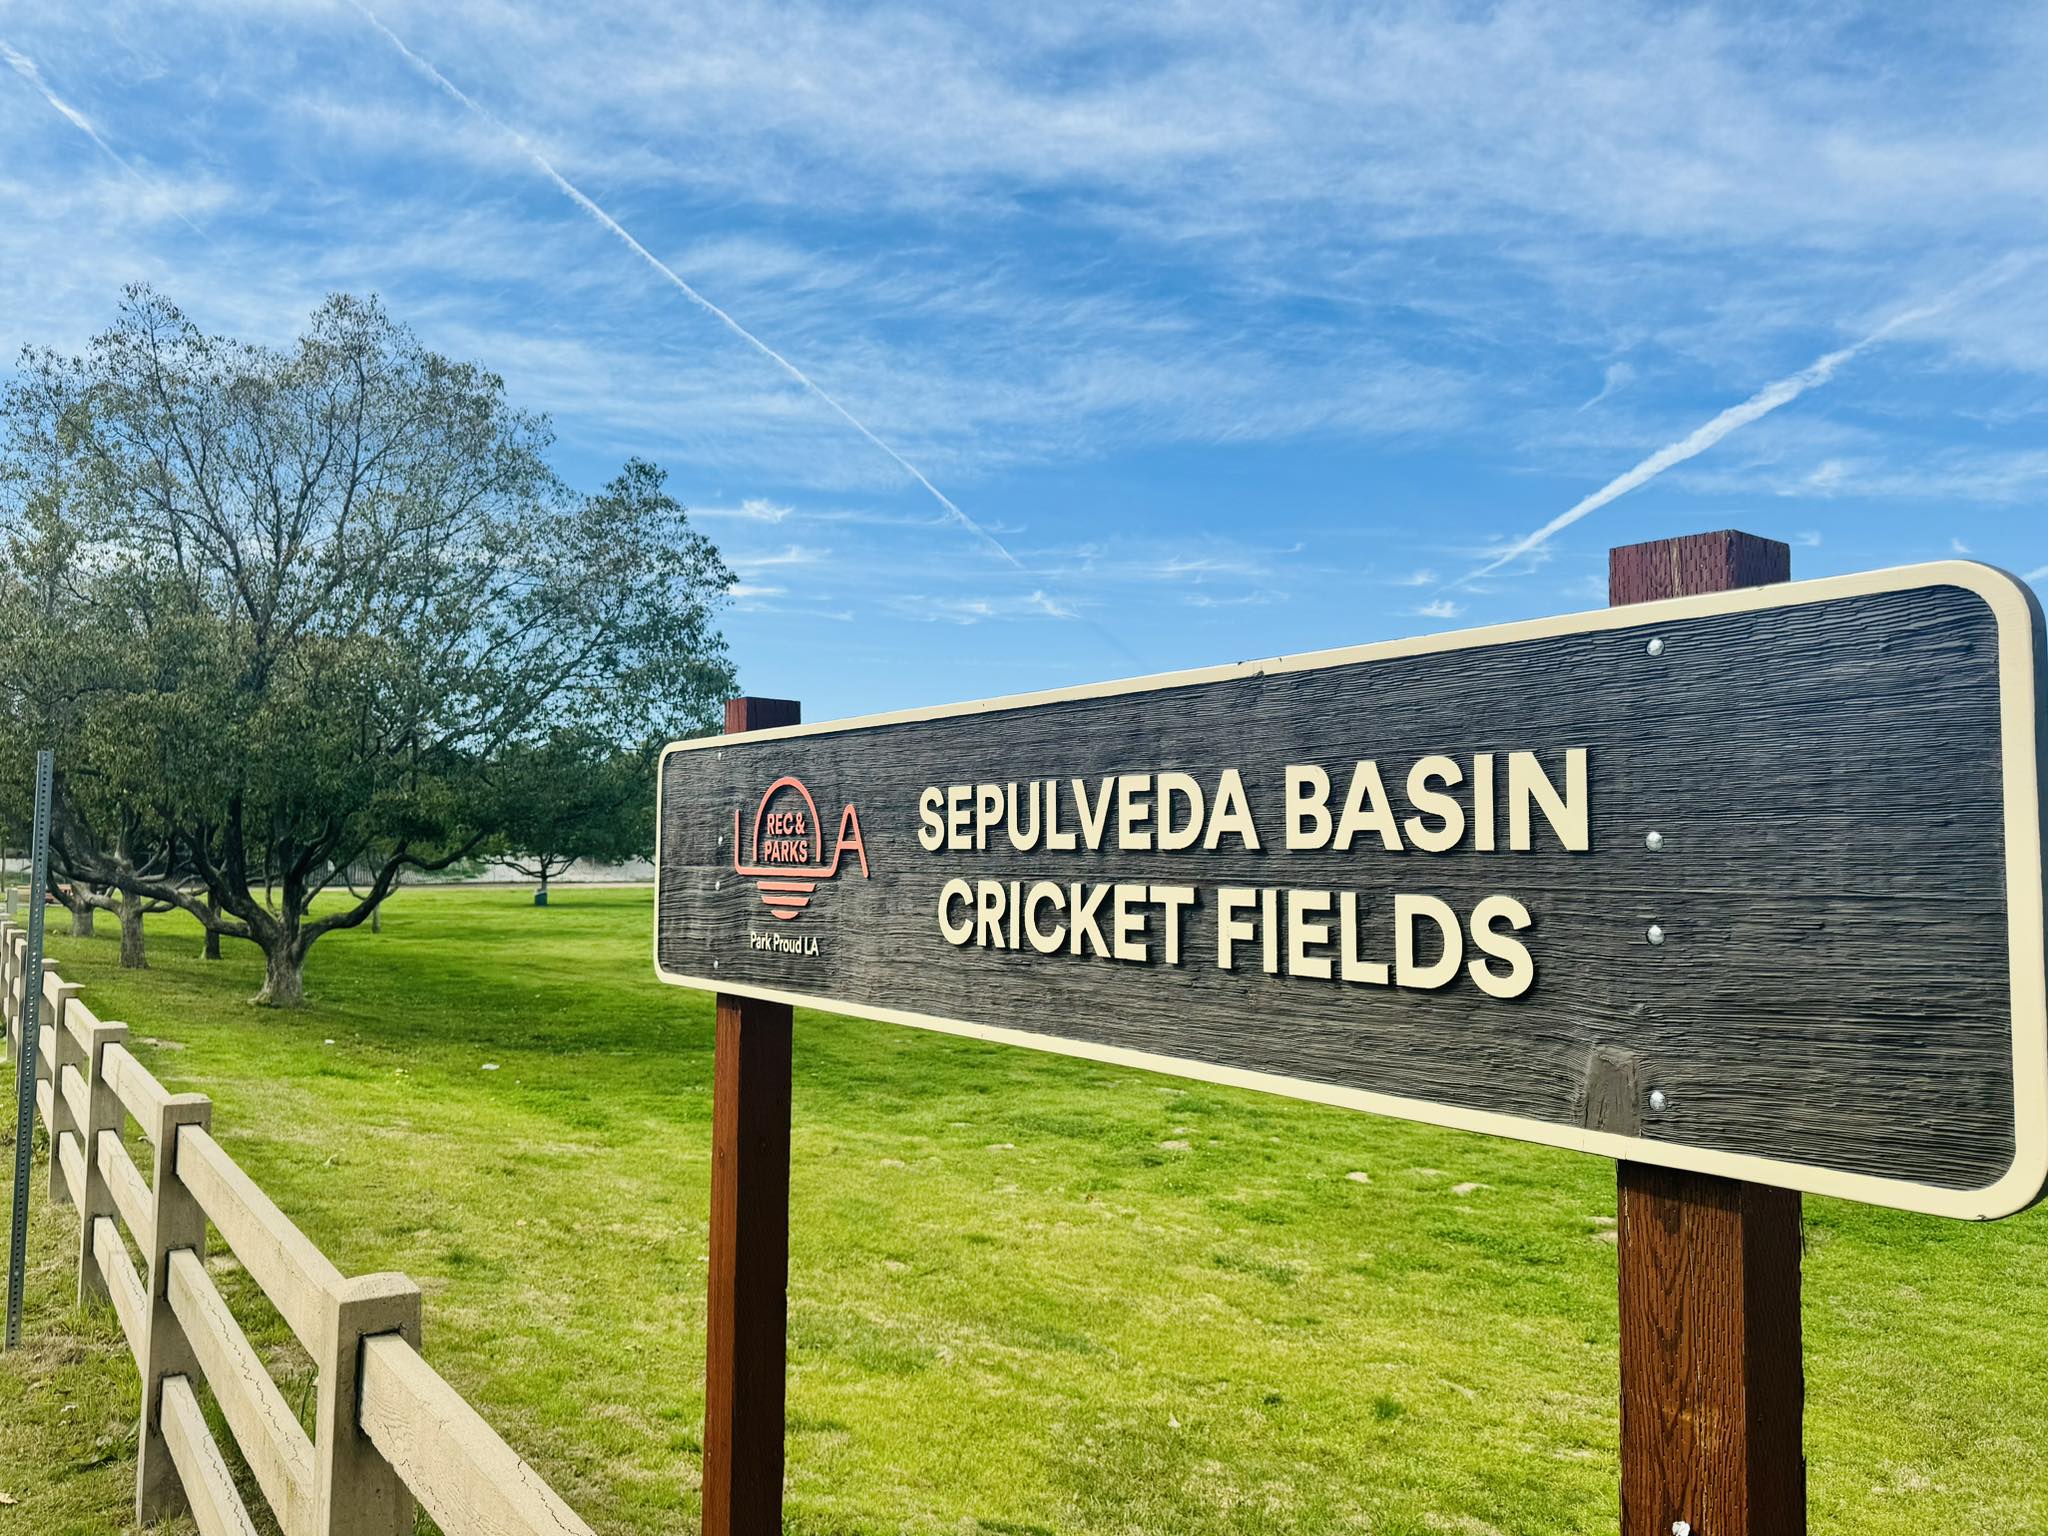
784 856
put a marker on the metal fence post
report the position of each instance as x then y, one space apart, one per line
25 1070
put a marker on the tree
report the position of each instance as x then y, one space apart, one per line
83 903
82 814
292 611
130 910
574 796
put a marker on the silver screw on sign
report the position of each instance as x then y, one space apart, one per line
1658 1101
1656 646
1656 933
1681 1528
1653 841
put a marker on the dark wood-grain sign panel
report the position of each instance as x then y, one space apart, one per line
1842 782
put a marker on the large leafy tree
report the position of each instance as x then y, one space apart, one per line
293 611
574 796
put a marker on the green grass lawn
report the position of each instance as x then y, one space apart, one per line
1028 1294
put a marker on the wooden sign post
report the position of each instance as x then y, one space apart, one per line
1712 1378
1737 881
746 1317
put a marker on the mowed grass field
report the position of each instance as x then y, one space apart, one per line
1028 1294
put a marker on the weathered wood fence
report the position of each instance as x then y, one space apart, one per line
387 1429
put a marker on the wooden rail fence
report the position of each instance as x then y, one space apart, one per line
387 1429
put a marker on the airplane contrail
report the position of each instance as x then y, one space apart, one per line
25 67
1762 403
576 195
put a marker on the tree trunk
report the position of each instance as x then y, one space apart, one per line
133 957
540 897
210 950
284 981
81 916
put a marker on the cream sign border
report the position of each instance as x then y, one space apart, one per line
2020 642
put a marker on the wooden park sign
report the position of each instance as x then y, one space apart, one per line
1739 884
1748 884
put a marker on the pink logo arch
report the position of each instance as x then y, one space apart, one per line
785 854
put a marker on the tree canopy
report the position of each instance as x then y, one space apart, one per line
574 796
285 612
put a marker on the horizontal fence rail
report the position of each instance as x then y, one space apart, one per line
388 1429
217 1507
422 1426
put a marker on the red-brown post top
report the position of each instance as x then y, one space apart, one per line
1697 563
751 714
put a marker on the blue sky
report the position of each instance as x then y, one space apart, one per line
1235 329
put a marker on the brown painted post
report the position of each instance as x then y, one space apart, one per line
747 1316
1713 1385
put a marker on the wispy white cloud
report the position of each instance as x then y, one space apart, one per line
1193 559
1904 471
1440 608
1617 376
25 67
1827 477
974 610
1203 567
1589 589
1758 405
829 615
583 201
793 554
1958 547
1403 243
755 509
1210 117
2040 574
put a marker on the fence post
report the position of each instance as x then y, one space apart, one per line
103 1113
64 1052
42 1023
7 934
176 1222
17 985
1712 1380
747 1315
357 1491
17 996
16 941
